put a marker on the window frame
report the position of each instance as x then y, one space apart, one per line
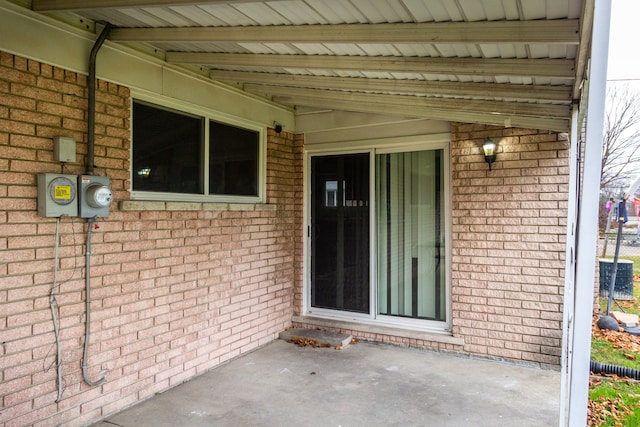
207 115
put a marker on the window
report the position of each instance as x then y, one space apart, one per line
166 150
233 160
180 155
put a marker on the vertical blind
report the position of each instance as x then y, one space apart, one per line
409 221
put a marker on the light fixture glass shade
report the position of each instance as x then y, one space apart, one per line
489 147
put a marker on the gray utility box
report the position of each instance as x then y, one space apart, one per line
57 195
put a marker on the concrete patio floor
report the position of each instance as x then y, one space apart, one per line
365 384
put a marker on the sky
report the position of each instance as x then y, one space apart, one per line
623 67
624 37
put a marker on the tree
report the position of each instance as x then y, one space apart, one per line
621 144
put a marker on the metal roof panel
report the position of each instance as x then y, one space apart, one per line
273 14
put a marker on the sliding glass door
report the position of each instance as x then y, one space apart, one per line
409 190
405 242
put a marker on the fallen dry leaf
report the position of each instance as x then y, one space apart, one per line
307 342
598 411
620 340
338 347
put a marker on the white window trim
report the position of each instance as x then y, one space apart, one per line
208 115
380 146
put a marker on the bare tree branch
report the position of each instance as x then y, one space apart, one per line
621 140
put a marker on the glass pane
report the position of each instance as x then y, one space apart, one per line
340 224
166 150
411 273
233 160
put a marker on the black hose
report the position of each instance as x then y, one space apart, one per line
621 371
91 125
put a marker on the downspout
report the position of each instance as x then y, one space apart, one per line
91 128
89 167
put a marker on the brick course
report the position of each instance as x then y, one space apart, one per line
175 291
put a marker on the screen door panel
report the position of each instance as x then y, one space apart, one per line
340 241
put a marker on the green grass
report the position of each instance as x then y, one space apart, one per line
624 394
605 352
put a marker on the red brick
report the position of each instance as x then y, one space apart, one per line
60 87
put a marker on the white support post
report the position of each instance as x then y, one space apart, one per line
587 231
570 266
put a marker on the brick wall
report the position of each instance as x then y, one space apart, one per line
509 229
176 288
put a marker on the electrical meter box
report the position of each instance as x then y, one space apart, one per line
94 196
57 195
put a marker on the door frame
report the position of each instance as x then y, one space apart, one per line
365 234
373 147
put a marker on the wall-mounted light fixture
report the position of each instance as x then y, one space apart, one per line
277 126
489 149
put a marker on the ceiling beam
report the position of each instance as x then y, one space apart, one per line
560 31
552 124
421 102
528 93
584 48
62 5
554 68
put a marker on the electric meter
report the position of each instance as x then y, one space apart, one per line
95 196
98 196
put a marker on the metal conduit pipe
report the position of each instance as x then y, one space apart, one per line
91 127
87 326
621 371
